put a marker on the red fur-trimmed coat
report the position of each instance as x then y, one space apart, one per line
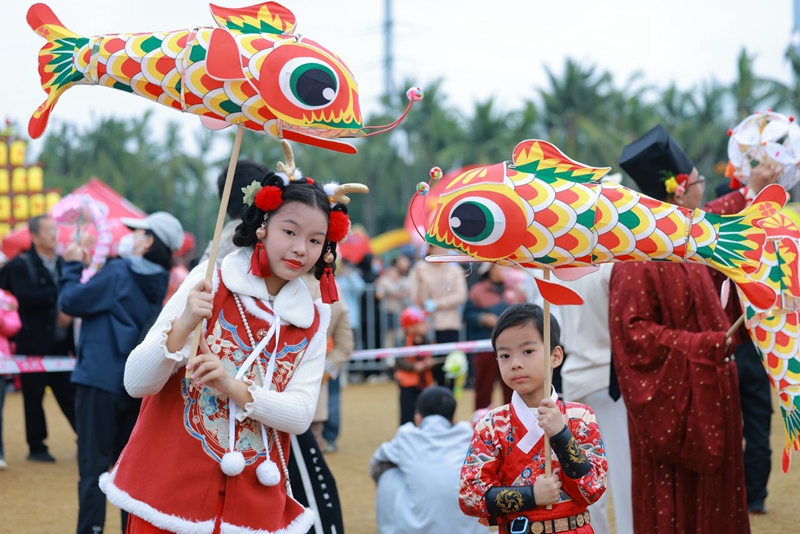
170 474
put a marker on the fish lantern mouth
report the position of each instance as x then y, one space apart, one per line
327 136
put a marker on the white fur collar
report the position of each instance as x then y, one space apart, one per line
293 303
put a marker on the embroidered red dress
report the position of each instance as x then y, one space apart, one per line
170 473
497 457
681 390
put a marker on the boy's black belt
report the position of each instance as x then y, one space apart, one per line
549 526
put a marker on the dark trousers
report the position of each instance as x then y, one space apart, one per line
313 484
487 373
33 386
443 336
105 423
330 429
408 403
756 398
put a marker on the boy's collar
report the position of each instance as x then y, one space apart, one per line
533 431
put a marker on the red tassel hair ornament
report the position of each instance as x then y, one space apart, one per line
259 261
327 285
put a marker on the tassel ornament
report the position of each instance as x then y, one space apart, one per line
327 286
259 262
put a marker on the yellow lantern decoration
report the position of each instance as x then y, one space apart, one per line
37 205
18 153
3 181
3 154
35 179
5 208
51 199
19 180
20 208
4 228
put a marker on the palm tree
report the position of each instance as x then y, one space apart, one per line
753 93
577 111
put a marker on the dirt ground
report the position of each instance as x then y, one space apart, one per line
42 498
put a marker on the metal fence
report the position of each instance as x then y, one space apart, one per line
378 329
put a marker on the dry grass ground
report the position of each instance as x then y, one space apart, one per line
42 498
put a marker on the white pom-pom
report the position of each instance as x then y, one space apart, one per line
282 176
268 473
232 463
330 188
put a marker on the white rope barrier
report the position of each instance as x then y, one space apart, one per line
58 364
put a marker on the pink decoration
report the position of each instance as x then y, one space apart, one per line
82 210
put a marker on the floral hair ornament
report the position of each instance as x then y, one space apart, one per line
675 185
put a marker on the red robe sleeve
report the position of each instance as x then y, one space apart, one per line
667 336
481 468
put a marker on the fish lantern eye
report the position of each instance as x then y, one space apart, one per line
477 221
309 83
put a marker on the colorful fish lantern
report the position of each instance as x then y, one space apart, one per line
251 71
544 210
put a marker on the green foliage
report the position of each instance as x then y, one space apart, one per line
582 110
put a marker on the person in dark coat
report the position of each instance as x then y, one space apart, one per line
117 306
32 277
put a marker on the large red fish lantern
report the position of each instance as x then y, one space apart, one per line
251 71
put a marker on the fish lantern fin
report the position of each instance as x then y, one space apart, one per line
548 163
555 293
213 123
573 273
267 17
223 61
321 142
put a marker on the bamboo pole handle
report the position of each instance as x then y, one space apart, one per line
223 206
548 462
735 326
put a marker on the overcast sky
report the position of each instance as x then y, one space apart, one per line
480 48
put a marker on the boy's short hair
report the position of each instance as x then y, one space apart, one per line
436 400
526 314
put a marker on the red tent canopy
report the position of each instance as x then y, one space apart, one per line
19 240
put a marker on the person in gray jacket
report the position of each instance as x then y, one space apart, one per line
418 471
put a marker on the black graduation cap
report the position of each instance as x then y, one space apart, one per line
647 159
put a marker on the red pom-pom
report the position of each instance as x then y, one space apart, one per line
339 226
791 118
730 133
269 198
682 179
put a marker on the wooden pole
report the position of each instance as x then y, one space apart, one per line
223 207
735 326
548 462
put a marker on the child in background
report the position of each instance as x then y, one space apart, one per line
413 373
10 324
503 480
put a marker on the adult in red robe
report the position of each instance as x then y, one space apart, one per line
672 359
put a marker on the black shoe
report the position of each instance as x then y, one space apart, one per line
41 456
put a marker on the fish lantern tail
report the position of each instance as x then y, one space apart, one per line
738 248
62 61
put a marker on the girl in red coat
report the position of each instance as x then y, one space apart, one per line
209 452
